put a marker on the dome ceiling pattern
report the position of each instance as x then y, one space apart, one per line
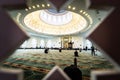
54 18
64 23
92 18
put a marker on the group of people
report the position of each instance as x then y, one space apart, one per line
76 52
92 51
47 49
73 71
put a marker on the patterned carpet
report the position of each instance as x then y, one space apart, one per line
36 64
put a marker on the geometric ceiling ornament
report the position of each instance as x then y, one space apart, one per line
56 74
107 37
102 4
11 74
105 75
11 36
60 24
13 4
59 4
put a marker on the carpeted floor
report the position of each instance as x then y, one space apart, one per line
36 64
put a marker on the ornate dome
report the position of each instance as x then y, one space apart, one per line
53 23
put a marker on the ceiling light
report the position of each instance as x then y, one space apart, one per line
73 8
33 7
29 7
69 7
43 5
38 5
84 12
81 11
48 5
26 9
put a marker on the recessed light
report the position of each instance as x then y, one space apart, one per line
38 5
33 7
48 5
26 9
69 7
29 7
43 5
81 11
73 8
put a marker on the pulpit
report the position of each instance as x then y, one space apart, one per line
70 45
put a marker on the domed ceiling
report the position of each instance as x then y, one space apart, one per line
53 23
40 18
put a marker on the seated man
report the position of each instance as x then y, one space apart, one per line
60 50
46 50
76 53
